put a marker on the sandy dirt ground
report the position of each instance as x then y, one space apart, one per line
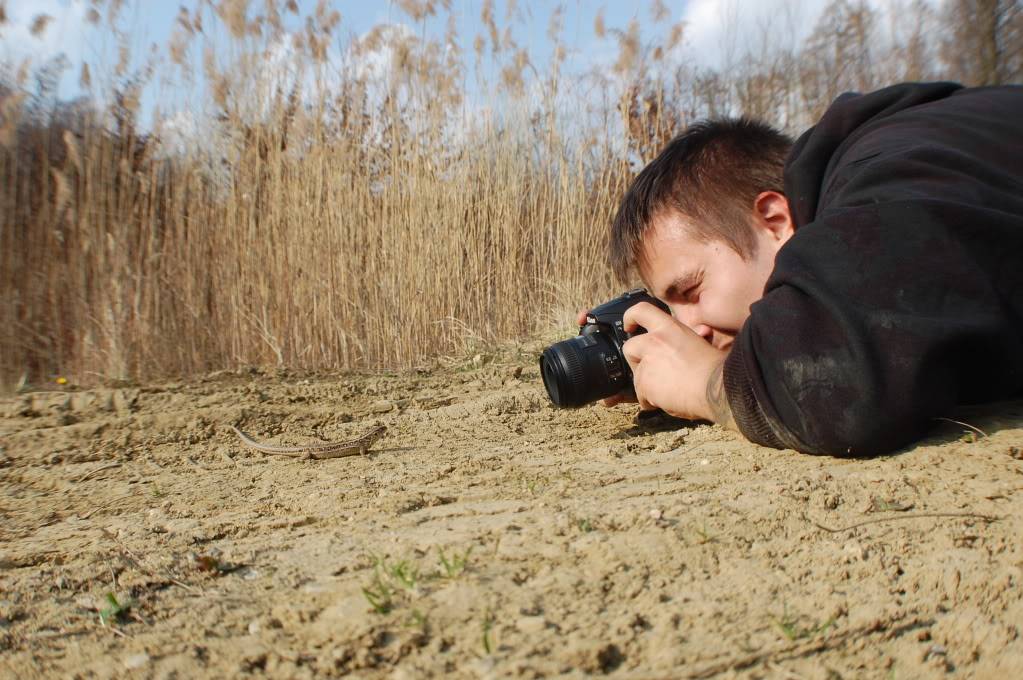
489 535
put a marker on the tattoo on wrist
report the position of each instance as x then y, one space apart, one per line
720 411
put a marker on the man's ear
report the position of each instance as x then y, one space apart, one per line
771 212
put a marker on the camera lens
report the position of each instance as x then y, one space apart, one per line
582 370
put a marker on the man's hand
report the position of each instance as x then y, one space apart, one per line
673 368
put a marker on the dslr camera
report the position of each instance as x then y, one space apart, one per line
591 366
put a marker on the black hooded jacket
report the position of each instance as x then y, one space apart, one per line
900 295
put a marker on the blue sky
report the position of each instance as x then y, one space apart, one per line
151 21
715 29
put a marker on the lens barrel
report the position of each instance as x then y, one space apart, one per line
583 369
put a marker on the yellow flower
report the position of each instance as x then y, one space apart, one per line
62 380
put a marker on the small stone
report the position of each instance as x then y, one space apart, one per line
249 574
855 550
315 587
186 527
124 401
617 450
87 603
136 661
705 461
254 627
531 625
402 674
656 514
673 442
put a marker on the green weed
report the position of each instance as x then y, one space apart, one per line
456 565
704 535
791 628
488 624
398 582
115 611
405 573
390 581
535 484
416 619
379 594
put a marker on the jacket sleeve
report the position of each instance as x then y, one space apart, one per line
879 316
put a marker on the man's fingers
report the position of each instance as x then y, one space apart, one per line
620 398
637 381
647 316
580 317
634 349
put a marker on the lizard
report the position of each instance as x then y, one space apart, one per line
352 447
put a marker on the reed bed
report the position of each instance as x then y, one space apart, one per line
330 214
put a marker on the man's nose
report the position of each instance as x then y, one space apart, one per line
688 316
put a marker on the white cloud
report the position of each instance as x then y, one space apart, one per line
63 35
179 132
375 60
719 32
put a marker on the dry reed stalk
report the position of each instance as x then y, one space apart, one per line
333 218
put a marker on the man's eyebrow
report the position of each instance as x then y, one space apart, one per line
680 285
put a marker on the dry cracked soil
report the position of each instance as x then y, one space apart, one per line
489 535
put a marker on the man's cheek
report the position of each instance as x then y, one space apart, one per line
724 317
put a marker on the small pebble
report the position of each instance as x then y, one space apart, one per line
250 574
531 625
656 514
136 661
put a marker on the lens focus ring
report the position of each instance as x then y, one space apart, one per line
573 366
575 371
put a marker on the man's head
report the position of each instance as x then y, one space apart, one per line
703 221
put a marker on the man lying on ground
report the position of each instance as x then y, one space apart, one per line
836 295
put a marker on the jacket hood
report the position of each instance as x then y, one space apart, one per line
820 146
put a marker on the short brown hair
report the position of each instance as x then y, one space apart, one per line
711 173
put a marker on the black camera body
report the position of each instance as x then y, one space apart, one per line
591 366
